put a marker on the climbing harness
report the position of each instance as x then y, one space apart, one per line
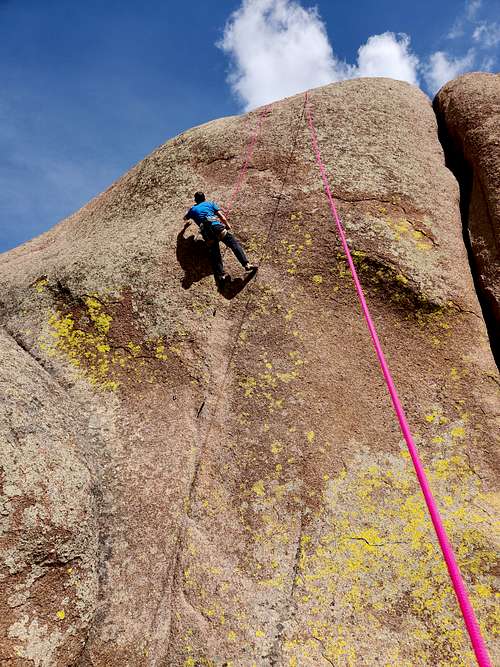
449 557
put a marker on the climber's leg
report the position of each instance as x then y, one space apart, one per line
216 259
233 243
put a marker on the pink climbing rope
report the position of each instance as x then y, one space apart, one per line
449 557
243 170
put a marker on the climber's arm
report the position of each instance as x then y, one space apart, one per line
223 218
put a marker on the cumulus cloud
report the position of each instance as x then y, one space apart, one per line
441 68
278 48
386 55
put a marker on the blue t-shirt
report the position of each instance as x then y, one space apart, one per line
203 212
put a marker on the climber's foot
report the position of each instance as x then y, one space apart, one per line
251 268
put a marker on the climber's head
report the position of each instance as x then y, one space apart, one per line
199 197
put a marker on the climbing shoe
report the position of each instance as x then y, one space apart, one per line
251 267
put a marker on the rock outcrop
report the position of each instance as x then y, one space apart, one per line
468 110
241 482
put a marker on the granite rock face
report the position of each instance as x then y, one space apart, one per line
48 526
252 499
468 109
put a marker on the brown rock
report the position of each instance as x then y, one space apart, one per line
468 109
256 502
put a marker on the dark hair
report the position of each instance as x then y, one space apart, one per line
199 197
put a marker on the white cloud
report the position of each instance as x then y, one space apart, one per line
472 8
483 35
441 68
488 64
468 15
457 30
487 35
385 55
278 48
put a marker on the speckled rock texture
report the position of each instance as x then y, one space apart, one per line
236 458
48 518
468 109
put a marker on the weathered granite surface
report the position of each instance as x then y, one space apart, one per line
229 464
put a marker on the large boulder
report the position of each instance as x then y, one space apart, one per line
468 110
256 501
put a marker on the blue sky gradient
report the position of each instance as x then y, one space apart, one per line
89 89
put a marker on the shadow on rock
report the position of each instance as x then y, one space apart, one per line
230 288
192 255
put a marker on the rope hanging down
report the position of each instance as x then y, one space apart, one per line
449 557
244 167
218 396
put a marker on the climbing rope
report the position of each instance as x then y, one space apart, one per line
449 557
263 114
243 169
227 209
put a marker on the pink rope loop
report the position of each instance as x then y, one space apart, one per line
449 557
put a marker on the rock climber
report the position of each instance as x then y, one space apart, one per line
214 227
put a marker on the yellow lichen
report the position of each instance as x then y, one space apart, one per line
39 285
160 351
361 560
135 350
258 488
101 320
85 339
248 384
276 447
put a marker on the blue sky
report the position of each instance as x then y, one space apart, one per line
89 89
